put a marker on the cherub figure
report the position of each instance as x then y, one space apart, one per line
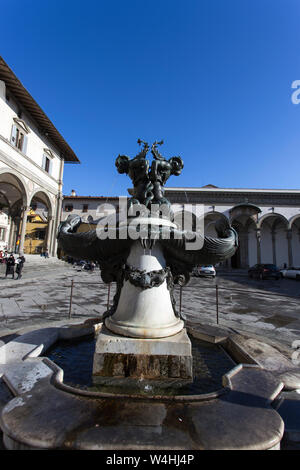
160 172
148 184
137 169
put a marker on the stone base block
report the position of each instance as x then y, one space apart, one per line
117 358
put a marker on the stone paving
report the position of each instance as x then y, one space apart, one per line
268 310
249 306
43 294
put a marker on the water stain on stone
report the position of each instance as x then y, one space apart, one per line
241 310
279 321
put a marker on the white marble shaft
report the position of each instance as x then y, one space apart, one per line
145 313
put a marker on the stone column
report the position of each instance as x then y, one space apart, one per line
258 240
25 211
273 233
49 233
11 230
59 199
243 238
290 246
12 234
57 221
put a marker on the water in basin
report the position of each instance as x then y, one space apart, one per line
210 363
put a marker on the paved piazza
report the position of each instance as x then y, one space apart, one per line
42 297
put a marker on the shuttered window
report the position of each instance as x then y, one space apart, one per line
47 164
19 138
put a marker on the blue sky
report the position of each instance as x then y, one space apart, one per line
210 77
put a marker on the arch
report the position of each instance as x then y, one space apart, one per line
292 220
217 213
212 216
246 205
2 195
39 223
273 215
210 219
46 201
14 189
243 219
244 212
274 246
20 186
294 240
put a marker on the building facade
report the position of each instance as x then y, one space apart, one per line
267 220
91 209
32 157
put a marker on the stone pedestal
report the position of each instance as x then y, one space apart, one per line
122 361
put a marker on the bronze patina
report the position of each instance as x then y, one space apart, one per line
112 253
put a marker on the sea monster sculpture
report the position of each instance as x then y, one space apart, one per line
148 185
112 253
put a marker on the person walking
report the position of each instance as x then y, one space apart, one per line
20 264
10 263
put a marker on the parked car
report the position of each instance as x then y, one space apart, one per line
264 271
208 271
291 272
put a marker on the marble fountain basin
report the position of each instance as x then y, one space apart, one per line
43 411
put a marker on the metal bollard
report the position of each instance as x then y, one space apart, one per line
180 299
71 297
217 303
108 296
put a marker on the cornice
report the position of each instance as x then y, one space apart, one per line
229 197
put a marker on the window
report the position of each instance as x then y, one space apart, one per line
40 235
19 135
48 156
19 139
47 164
85 207
2 234
69 208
